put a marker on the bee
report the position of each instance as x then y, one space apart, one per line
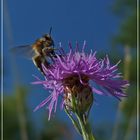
39 52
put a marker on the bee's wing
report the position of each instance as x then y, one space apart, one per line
24 51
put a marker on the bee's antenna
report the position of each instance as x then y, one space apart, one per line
50 31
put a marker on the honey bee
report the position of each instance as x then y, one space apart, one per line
40 51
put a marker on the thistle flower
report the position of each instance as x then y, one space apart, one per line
72 74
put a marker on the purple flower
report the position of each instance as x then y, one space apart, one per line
78 68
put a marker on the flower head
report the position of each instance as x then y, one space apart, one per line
74 73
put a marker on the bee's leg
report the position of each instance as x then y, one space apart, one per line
49 53
45 62
37 60
53 53
44 51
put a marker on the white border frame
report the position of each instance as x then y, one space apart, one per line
138 70
2 70
2 8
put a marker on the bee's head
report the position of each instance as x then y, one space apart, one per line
48 38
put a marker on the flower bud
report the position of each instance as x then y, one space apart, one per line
78 98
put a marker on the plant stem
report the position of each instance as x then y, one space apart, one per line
76 125
81 122
85 128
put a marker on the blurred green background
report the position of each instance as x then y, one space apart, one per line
108 26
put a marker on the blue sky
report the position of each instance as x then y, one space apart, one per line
73 20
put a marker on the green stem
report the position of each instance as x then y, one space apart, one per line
73 121
85 128
82 127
